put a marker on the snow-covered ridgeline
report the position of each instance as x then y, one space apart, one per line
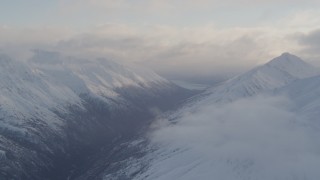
52 82
262 124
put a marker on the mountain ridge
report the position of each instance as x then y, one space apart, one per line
278 72
55 111
231 132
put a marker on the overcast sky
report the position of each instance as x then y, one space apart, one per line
174 37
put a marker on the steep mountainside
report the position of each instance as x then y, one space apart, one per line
276 73
56 110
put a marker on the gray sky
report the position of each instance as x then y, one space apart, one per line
174 37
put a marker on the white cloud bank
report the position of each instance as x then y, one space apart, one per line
255 138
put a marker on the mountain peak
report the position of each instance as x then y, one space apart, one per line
285 54
279 72
293 65
287 59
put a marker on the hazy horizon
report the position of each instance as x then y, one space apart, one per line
177 39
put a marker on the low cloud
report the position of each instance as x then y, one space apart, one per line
310 45
311 39
203 51
255 138
172 51
20 42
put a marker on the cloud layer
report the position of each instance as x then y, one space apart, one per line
167 49
176 38
255 138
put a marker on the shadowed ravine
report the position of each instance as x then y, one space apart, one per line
59 115
99 134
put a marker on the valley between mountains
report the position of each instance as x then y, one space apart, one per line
63 117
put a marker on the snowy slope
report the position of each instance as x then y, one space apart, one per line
305 94
98 76
51 82
25 95
266 129
278 72
52 105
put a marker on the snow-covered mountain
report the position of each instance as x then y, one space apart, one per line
69 118
276 73
305 95
262 125
55 110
